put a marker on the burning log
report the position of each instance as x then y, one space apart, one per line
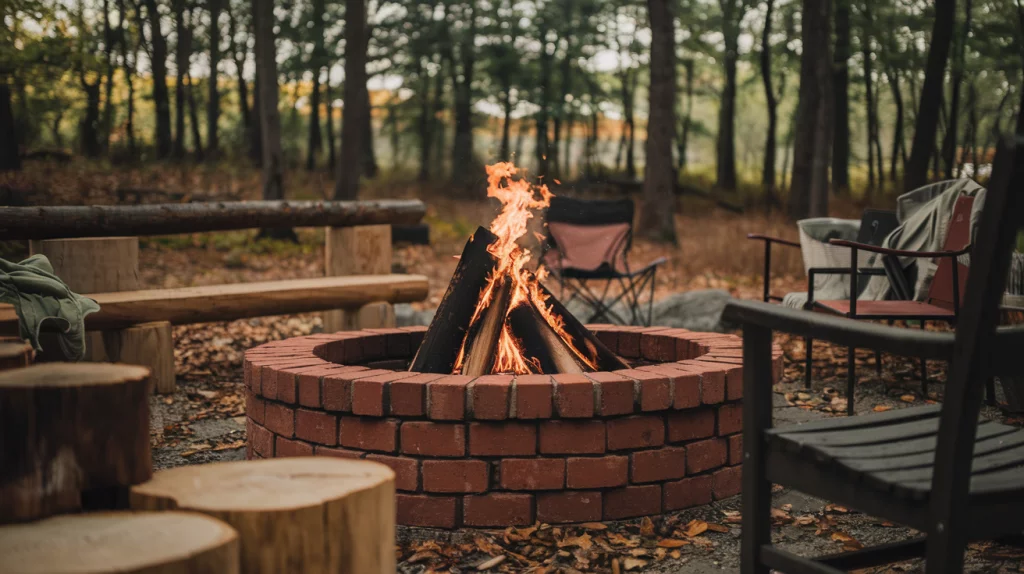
582 339
441 345
543 348
480 350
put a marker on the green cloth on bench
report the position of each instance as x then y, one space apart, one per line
40 297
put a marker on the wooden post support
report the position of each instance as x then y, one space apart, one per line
14 354
124 542
111 264
362 250
67 428
315 515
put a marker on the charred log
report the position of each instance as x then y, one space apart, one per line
481 348
543 348
582 339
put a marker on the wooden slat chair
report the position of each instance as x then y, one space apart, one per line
941 304
937 469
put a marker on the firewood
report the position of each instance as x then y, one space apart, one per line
69 428
481 346
443 339
124 542
314 515
542 347
582 339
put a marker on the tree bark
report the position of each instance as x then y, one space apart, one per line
810 185
949 139
916 173
316 64
90 123
193 116
161 95
869 97
370 168
898 146
425 123
506 123
629 96
353 127
270 119
213 97
182 51
841 87
657 214
108 100
329 124
684 137
725 156
128 67
541 148
462 85
768 168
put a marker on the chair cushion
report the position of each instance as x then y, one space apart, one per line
896 309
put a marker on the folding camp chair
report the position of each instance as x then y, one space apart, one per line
589 242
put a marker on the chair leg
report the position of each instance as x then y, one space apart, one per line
878 363
945 549
851 379
924 372
809 343
990 391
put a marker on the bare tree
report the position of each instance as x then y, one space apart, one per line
270 119
213 99
808 195
357 105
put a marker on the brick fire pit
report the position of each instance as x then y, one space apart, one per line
500 450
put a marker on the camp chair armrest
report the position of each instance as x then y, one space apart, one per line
899 252
770 239
840 330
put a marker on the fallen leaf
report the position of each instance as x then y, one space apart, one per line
583 542
487 565
908 398
805 520
717 527
646 527
733 516
695 528
230 445
634 563
882 408
837 509
594 526
672 543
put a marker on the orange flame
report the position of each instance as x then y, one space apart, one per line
519 198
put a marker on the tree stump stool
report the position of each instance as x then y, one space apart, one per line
310 514
15 354
122 542
364 250
70 428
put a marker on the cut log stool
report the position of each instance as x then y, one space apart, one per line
309 514
364 250
123 542
14 354
68 429
111 264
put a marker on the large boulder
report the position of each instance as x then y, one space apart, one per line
693 310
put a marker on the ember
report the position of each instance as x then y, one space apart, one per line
496 316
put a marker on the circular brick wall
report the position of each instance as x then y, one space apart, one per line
499 450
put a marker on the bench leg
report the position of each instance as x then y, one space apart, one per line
149 344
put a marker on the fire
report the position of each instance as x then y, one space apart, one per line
519 199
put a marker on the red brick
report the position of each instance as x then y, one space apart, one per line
705 455
730 419
316 426
446 397
287 388
734 383
433 439
255 408
532 473
309 386
569 506
533 396
632 501
635 432
629 342
423 510
655 393
373 346
262 441
657 465
601 472
368 433
247 373
338 452
688 492
490 397
615 393
502 439
409 396
609 338
727 482
685 388
572 437
396 342
286 447
369 393
658 347
270 377
574 396
280 419
415 336
455 475
691 425
736 449
712 381
337 388
407 470
497 510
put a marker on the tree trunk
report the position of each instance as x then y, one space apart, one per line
684 138
869 99
270 119
462 85
545 100
193 115
90 123
425 123
353 126
949 139
657 214
256 141
628 99
841 87
916 173
768 169
213 97
329 124
10 158
809 190
181 58
898 146
725 151
370 168
161 95
128 67
314 144
108 100
506 124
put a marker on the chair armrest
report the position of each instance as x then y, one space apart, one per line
770 239
847 332
899 252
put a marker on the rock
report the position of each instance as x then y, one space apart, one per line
693 310
406 316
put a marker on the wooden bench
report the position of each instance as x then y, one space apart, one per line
95 250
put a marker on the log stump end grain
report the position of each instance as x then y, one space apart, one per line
66 428
15 354
319 514
124 542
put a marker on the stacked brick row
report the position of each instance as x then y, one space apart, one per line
498 450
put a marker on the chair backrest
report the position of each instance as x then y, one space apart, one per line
588 234
970 365
876 225
958 234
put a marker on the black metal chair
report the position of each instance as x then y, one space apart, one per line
589 241
935 468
